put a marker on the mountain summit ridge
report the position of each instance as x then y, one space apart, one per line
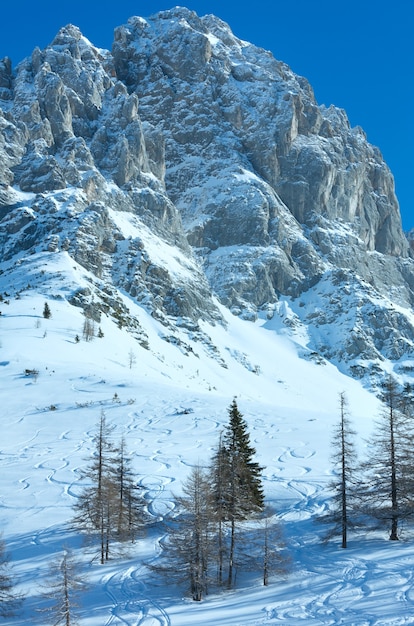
187 143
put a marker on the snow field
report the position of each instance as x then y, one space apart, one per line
171 408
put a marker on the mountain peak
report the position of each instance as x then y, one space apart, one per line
66 34
186 138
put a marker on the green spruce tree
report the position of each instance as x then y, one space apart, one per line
246 473
47 313
237 485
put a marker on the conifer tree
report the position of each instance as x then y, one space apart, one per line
111 505
345 466
274 560
190 546
88 330
63 588
46 311
129 503
220 481
10 600
264 547
388 491
94 505
236 478
246 471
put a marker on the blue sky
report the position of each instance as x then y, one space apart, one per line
357 55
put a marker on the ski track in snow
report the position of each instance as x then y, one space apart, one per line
166 436
334 598
325 601
321 599
133 606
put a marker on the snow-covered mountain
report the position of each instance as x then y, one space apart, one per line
185 142
225 236
169 402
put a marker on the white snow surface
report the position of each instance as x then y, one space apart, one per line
172 406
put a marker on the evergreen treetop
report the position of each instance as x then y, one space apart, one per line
47 313
238 455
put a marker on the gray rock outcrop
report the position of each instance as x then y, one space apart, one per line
184 138
257 169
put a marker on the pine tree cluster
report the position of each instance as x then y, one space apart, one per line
111 507
206 542
210 540
379 491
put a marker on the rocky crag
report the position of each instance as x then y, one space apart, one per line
184 137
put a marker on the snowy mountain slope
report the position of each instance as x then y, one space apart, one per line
224 236
185 136
171 406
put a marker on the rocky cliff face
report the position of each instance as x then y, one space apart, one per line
92 174
185 136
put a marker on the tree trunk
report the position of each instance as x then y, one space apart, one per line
220 550
66 593
394 495
231 553
344 477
